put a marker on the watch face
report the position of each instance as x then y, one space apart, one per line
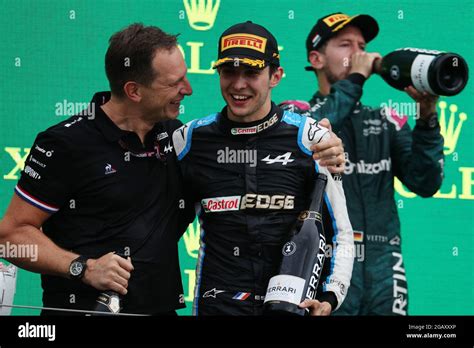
433 121
76 268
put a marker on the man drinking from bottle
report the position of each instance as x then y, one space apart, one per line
380 146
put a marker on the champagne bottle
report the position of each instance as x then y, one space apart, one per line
302 262
435 72
109 301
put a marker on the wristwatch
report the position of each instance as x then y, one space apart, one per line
77 268
430 122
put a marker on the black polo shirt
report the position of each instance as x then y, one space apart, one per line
108 192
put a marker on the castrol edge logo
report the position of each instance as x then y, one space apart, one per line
256 129
249 41
249 201
216 204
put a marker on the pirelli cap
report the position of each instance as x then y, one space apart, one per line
249 44
328 26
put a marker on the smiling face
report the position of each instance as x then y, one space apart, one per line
161 99
247 91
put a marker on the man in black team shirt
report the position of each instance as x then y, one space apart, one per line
106 182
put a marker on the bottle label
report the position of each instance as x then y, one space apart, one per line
419 73
112 302
285 288
420 50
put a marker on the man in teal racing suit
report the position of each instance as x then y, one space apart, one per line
379 146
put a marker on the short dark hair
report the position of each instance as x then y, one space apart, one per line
273 69
320 49
130 54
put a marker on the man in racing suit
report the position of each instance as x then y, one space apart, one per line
379 145
250 168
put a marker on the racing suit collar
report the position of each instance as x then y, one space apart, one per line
317 98
233 128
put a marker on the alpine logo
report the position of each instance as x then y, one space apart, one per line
283 159
168 148
249 201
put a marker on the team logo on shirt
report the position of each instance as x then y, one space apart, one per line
48 153
212 293
168 148
161 136
31 172
255 129
283 159
217 204
339 284
249 201
362 167
313 129
394 118
395 241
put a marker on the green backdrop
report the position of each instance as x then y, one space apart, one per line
53 52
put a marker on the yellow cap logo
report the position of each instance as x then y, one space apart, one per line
336 18
253 42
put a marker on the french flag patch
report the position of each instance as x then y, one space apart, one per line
241 296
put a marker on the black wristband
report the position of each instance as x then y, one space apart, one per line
357 78
330 297
429 123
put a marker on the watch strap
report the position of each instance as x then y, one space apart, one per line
431 122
